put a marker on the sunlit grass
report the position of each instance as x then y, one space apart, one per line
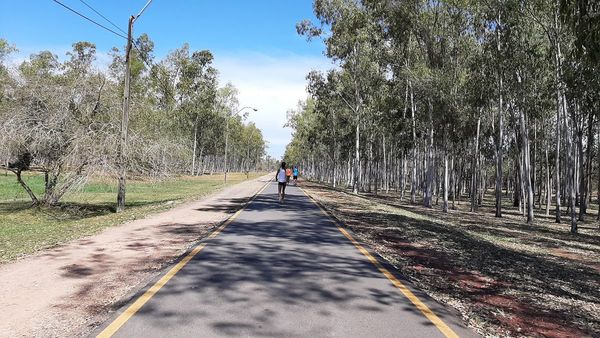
24 230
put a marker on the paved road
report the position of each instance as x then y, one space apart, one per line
283 271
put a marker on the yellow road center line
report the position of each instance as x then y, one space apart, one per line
426 311
144 298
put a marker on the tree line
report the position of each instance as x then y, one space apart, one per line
447 99
62 118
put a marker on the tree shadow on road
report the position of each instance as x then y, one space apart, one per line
257 275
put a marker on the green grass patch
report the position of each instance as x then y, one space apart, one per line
89 209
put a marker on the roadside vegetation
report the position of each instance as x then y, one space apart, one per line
89 209
461 140
61 116
505 277
61 147
445 99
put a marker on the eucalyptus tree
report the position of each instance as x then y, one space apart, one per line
352 43
6 81
527 52
332 113
197 86
61 117
581 19
453 80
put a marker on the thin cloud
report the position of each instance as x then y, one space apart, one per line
273 84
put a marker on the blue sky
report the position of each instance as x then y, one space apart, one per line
255 43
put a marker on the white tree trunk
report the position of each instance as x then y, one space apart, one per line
445 206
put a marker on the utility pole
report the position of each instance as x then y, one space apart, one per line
122 146
226 144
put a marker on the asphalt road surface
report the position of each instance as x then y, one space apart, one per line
283 270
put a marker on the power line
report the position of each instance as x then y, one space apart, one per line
90 20
148 63
105 18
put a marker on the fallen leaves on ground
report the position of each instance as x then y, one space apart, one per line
506 277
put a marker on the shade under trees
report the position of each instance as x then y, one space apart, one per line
446 99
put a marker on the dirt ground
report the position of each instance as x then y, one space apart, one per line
505 277
70 289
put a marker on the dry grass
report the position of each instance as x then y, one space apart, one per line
506 277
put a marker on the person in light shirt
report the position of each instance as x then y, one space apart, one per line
282 179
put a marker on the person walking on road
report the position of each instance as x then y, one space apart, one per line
282 180
288 174
295 173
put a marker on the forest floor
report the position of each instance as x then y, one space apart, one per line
69 289
25 230
506 277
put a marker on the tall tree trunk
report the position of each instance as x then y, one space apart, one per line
499 152
598 187
195 146
413 185
559 108
200 167
557 164
436 159
385 171
586 171
526 166
500 130
429 178
357 156
517 183
475 165
445 206
335 160
534 187
350 173
403 176
548 185
453 181
570 173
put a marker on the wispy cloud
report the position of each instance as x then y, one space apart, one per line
273 84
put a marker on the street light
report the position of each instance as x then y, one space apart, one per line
227 135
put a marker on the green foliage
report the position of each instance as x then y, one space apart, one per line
65 115
510 67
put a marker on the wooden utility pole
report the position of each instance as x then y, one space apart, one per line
122 148
226 144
